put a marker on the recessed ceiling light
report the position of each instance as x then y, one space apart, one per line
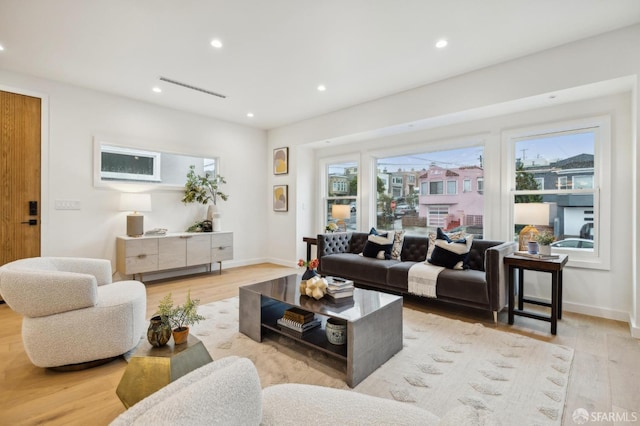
216 43
157 89
442 43
250 114
322 88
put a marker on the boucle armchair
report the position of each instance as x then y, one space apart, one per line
72 311
227 391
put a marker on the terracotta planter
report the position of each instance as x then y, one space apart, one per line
180 336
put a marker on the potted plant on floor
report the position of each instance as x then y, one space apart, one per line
180 317
205 189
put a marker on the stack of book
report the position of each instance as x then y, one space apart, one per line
298 321
339 288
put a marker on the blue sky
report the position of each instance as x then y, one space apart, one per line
551 148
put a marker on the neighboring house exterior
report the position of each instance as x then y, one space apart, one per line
573 211
451 197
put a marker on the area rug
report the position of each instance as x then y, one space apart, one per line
444 363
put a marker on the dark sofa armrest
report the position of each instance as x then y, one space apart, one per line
332 243
496 273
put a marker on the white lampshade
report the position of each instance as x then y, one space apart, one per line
531 214
340 211
135 202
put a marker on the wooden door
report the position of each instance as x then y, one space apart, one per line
20 123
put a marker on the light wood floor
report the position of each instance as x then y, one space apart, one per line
605 375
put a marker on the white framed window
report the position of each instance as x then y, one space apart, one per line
466 185
480 183
577 157
562 182
452 187
341 188
436 188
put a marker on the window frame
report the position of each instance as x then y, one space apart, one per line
325 163
600 257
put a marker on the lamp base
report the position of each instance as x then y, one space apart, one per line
342 225
527 234
135 225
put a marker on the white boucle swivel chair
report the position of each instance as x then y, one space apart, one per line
72 311
227 392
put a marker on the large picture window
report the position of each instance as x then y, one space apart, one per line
558 171
421 192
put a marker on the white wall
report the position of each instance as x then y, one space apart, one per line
577 71
76 115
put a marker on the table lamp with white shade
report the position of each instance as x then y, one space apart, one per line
341 212
135 203
530 214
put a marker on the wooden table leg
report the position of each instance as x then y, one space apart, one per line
520 288
560 294
554 302
512 276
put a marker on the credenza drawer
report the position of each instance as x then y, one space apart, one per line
141 263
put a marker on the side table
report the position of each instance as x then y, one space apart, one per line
152 368
311 241
552 266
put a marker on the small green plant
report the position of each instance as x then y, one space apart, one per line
202 189
181 316
545 238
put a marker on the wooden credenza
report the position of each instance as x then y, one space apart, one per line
172 251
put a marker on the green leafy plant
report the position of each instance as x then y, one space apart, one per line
202 189
545 238
181 316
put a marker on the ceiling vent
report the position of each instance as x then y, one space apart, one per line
189 86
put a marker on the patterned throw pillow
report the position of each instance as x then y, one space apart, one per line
448 253
398 240
378 247
452 236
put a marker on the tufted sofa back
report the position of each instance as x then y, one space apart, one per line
414 248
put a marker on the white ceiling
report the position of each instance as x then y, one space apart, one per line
276 52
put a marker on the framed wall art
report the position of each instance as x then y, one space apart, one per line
281 161
280 198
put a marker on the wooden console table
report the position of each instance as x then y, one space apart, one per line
156 253
552 266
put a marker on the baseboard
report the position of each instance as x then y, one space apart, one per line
633 327
594 311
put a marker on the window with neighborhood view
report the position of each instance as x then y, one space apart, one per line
554 178
421 192
342 195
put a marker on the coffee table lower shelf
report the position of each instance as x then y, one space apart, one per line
374 323
315 338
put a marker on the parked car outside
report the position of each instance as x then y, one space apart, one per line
580 243
403 209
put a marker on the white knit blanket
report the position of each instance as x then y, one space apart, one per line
422 279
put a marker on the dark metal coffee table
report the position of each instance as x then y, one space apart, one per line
374 322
